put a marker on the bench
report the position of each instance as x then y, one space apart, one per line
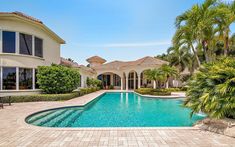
2 100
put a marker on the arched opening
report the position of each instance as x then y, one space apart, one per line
132 80
110 80
145 83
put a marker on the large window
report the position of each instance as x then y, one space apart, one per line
8 42
38 43
9 78
25 44
25 78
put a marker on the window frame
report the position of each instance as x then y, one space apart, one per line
2 80
32 86
17 43
25 42
34 46
2 31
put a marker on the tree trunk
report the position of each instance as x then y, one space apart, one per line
205 50
156 84
196 56
167 83
226 48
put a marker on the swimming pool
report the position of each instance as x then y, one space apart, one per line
118 110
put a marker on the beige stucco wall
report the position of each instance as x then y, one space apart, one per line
51 48
84 75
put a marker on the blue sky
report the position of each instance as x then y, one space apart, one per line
113 29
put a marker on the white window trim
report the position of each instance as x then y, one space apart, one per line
33 78
0 40
17 78
1 78
33 45
17 42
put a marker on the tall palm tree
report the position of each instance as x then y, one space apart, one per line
200 19
168 71
180 58
185 36
226 16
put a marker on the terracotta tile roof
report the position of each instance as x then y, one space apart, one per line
39 23
146 61
96 59
23 15
66 62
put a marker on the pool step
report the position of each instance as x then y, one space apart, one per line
72 119
44 120
40 116
60 119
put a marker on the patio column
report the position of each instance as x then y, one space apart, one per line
134 80
154 84
139 80
127 81
122 83
111 79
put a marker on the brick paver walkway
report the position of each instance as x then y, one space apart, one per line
15 132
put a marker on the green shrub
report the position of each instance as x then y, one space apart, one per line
212 89
91 82
57 79
151 91
172 89
51 97
144 90
43 97
184 88
111 87
84 91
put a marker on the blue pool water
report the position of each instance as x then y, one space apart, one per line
118 110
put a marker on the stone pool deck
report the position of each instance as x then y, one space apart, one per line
15 132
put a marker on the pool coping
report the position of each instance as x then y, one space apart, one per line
22 120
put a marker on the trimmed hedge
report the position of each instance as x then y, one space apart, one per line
44 97
151 91
160 92
51 97
84 91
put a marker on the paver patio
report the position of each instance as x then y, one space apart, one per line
15 132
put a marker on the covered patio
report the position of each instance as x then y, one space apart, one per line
125 75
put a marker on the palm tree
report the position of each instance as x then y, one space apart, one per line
200 20
168 71
185 37
154 74
180 57
226 16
